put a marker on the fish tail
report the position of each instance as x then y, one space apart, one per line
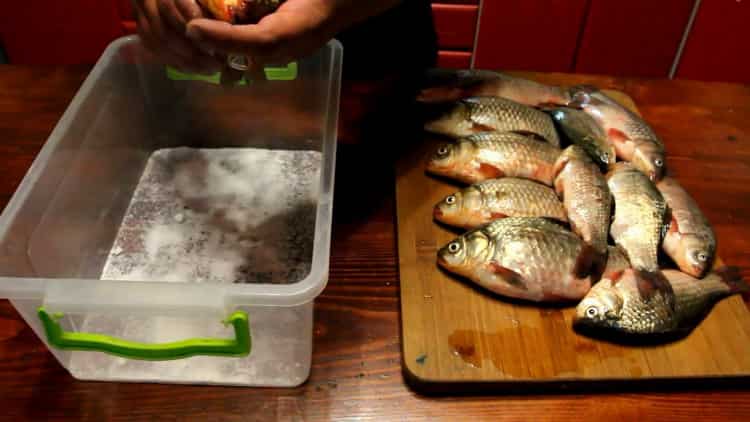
732 277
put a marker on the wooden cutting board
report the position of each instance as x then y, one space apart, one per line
454 332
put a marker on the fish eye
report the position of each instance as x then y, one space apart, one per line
443 151
454 247
702 256
558 115
592 312
450 200
658 162
605 158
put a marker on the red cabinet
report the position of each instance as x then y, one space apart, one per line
719 43
529 35
632 38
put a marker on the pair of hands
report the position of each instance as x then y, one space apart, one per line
183 37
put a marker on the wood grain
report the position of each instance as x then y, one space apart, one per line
456 332
356 371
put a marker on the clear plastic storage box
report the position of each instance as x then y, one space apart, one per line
176 229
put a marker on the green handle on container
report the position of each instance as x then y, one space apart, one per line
288 73
165 351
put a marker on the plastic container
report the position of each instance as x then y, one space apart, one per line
59 229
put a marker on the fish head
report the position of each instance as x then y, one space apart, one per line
648 157
461 208
450 159
454 122
602 306
695 255
465 253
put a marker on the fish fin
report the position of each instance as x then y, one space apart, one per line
598 264
531 135
615 276
560 164
559 188
673 226
511 277
497 215
480 127
732 277
651 283
489 171
617 136
584 261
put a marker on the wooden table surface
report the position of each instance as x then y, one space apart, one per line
356 371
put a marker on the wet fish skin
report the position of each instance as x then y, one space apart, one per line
493 155
634 140
532 259
493 114
615 302
585 194
493 199
690 240
582 130
639 217
460 84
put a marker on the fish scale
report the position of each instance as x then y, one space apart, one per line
505 115
586 196
693 298
499 198
639 216
527 258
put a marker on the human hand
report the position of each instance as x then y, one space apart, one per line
162 25
296 29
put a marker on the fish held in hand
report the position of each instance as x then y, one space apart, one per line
493 155
493 199
240 11
493 114
586 198
525 258
615 304
690 239
456 85
582 130
634 140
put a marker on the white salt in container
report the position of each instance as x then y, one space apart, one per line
174 229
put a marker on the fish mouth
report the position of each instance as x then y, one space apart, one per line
437 212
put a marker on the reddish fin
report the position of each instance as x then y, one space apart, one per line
479 127
497 215
732 277
617 136
615 276
673 226
510 276
651 283
584 261
489 171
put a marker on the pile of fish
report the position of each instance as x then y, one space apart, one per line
567 199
